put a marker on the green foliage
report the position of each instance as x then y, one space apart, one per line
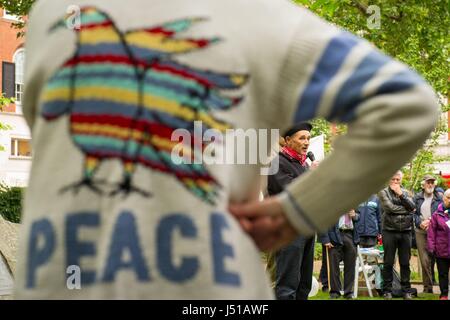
18 8
11 203
422 163
413 33
5 101
322 126
318 250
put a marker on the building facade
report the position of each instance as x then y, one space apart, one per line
15 158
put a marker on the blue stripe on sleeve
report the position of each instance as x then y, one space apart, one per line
328 66
350 94
399 82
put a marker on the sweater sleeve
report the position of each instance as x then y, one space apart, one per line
431 235
389 109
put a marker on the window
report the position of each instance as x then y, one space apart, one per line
19 59
9 16
20 147
8 79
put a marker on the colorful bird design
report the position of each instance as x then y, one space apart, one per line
125 94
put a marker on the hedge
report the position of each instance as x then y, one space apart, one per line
11 203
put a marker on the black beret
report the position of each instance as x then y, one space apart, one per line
298 127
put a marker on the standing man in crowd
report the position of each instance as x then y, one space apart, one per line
427 202
341 244
397 222
293 263
369 223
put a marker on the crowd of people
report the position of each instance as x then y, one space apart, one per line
393 217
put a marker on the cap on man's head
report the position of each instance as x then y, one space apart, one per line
298 127
428 177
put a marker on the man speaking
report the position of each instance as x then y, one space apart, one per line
293 263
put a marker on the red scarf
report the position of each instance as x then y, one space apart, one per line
294 154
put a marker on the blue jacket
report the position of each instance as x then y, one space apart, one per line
369 224
333 235
418 201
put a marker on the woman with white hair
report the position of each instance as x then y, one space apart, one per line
439 242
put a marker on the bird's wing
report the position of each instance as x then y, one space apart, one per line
176 96
99 85
179 159
156 42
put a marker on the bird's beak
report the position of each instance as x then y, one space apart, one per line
60 23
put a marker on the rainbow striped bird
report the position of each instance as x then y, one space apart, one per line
125 95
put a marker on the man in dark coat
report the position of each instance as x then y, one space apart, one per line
397 222
293 263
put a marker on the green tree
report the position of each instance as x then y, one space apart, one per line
329 130
412 32
422 162
18 8
11 203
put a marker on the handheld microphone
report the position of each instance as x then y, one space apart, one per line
311 156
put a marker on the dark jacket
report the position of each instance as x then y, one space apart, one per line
418 201
333 235
369 224
438 236
397 211
289 169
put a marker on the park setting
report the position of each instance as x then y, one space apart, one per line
112 201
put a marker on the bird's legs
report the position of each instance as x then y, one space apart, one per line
125 186
90 166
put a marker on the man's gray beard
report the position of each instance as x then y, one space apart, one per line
429 191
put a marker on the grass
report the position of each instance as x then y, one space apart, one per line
415 277
421 296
